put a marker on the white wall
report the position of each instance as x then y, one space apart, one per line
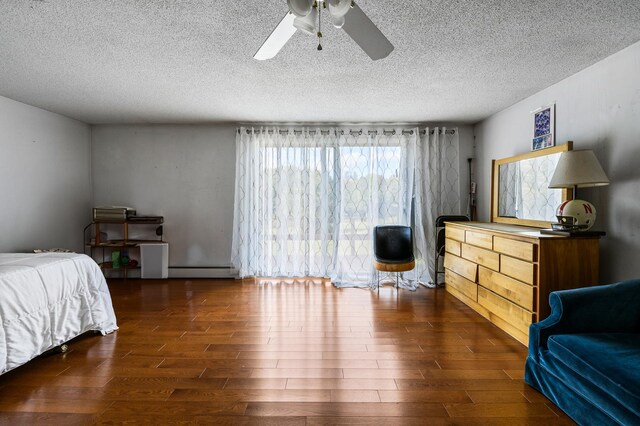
598 108
185 173
45 186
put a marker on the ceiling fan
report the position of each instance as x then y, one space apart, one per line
306 16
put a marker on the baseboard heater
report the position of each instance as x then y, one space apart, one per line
203 272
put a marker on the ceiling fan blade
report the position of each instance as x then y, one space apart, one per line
277 39
366 34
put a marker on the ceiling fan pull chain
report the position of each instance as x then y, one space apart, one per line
319 27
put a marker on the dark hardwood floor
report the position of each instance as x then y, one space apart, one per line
280 353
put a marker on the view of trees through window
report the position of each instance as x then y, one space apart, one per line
328 195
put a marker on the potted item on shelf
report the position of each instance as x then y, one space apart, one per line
115 259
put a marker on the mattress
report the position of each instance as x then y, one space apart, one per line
47 299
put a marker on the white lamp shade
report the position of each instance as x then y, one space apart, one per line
578 169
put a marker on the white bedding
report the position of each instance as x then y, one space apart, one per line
47 299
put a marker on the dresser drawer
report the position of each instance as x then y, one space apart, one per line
452 246
513 290
479 239
460 266
461 284
518 269
510 312
520 249
454 233
481 256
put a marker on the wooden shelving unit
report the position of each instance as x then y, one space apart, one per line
102 249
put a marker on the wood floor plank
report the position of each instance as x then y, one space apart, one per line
360 384
93 393
234 383
252 395
46 419
340 395
287 348
280 352
298 373
169 383
481 365
213 363
173 408
365 409
108 371
279 355
378 421
458 396
415 356
153 419
436 421
465 384
515 374
54 406
327 363
421 364
381 373
464 374
75 381
496 396
393 348
512 409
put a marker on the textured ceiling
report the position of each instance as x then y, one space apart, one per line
174 61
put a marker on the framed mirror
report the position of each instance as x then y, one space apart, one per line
520 193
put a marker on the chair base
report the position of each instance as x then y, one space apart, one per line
392 267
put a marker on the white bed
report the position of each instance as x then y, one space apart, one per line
47 299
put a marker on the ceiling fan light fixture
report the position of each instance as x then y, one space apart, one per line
307 23
339 8
300 8
337 21
305 15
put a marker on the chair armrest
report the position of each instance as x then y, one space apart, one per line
613 308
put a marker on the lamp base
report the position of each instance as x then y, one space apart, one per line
560 226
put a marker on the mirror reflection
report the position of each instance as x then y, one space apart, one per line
524 192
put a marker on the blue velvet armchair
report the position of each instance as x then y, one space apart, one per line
585 357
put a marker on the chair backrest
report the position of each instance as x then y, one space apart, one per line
393 243
440 235
440 220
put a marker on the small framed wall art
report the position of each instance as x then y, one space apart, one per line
544 127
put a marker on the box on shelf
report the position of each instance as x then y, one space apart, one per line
113 213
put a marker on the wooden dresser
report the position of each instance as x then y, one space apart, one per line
506 272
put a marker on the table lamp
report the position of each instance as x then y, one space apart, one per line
577 169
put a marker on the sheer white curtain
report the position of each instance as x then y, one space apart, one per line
306 201
437 191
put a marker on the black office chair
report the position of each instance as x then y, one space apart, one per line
393 250
440 239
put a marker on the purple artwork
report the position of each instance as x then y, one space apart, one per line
543 127
542 123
